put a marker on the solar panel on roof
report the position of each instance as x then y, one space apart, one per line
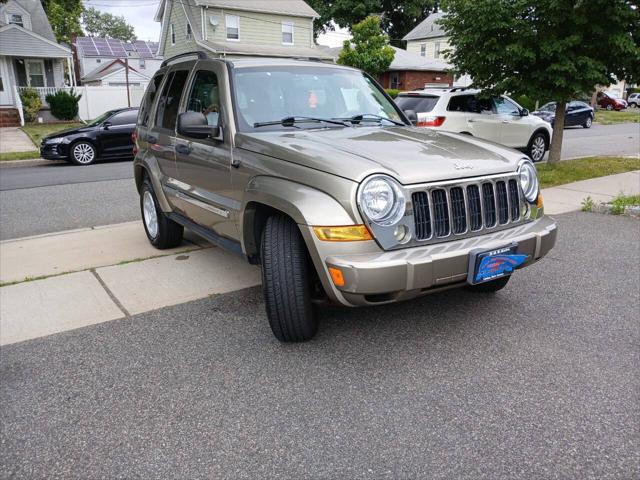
143 49
116 47
86 45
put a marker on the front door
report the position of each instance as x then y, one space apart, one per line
515 129
6 97
115 137
204 165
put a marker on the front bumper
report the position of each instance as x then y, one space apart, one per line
372 276
54 151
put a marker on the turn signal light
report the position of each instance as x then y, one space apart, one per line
350 233
539 205
430 121
336 276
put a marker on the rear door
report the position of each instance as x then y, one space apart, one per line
204 165
478 115
115 137
515 129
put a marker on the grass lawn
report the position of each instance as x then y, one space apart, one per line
621 201
37 131
568 171
630 115
5 157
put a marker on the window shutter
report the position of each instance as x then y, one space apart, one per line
48 68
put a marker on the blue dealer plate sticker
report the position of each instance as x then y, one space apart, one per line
487 265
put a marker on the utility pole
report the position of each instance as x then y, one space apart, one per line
126 74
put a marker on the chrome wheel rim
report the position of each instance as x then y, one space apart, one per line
150 215
537 149
83 153
589 122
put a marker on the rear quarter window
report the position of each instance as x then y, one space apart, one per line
147 102
418 103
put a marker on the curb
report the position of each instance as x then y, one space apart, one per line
35 162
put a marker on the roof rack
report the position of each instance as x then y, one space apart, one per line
200 54
458 89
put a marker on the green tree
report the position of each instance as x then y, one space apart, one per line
369 48
102 24
64 17
397 17
551 49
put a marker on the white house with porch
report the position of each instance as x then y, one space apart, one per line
30 56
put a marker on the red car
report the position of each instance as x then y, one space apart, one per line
610 101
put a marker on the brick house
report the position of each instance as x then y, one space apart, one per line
409 71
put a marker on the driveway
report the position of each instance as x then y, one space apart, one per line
537 381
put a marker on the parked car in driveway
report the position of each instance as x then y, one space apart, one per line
634 100
312 172
499 119
610 101
576 114
107 137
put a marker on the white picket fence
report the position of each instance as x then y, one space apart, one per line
97 100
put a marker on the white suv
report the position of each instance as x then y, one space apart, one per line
634 100
497 119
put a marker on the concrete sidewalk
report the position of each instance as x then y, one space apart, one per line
116 273
569 197
12 139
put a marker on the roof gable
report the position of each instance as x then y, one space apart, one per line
428 28
39 21
294 8
15 40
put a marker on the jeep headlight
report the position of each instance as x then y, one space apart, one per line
381 200
528 180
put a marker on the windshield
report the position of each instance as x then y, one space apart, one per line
100 119
267 94
548 107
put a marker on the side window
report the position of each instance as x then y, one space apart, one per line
505 106
147 103
468 104
170 100
124 118
205 96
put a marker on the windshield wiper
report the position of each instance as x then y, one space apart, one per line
291 121
372 117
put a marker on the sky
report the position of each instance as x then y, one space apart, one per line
140 13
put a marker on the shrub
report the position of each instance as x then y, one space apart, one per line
31 103
393 92
64 105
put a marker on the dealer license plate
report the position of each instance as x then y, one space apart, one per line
488 265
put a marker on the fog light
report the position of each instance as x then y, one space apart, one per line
540 203
402 234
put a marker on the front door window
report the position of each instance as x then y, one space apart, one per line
35 73
205 96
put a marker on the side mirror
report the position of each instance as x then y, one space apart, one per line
106 125
194 125
412 116
524 112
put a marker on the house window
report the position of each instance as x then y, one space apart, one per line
233 27
423 49
189 32
142 63
35 73
436 50
173 34
287 33
15 19
395 80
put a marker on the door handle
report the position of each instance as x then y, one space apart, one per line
183 148
152 139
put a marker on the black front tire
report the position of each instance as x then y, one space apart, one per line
286 281
168 234
83 153
490 287
588 122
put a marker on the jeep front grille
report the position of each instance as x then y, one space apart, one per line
466 207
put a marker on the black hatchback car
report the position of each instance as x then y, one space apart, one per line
108 136
577 114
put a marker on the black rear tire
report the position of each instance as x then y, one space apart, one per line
168 234
538 146
490 287
286 281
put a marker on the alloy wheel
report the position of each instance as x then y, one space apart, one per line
537 148
150 214
83 153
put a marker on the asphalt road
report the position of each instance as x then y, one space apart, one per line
539 381
56 197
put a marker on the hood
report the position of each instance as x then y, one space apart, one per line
409 154
69 131
544 115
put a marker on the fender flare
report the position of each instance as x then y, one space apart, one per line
304 204
149 166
